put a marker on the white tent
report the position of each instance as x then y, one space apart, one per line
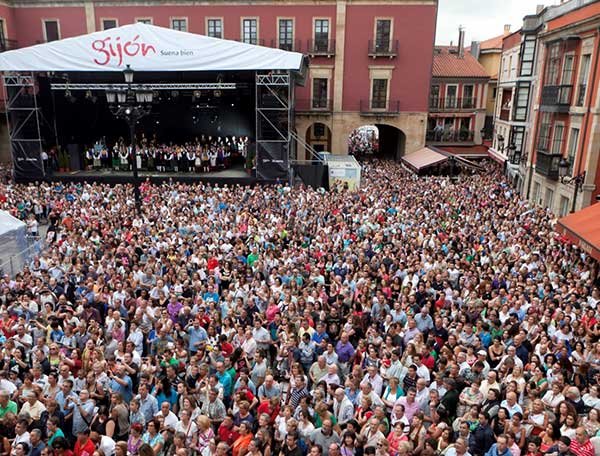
13 243
148 48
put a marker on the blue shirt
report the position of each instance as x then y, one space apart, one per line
126 391
225 380
196 336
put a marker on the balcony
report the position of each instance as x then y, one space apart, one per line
7 45
546 164
383 49
293 46
316 106
504 113
259 42
450 136
556 98
438 104
321 48
377 108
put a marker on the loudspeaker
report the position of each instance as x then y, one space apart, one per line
75 158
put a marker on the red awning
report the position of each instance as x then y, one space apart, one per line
582 228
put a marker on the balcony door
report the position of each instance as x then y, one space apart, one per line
467 100
451 96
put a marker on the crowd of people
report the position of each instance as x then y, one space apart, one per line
202 155
414 316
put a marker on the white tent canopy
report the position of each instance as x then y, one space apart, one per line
148 48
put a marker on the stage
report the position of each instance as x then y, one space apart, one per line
230 176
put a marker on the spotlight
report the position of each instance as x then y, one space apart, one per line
88 94
128 111
217 93
232 105
67 93
174 93
197 93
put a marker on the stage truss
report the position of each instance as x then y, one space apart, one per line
23 123
274 125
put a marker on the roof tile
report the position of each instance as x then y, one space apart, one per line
449 64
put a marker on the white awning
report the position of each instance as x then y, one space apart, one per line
148 48
423 158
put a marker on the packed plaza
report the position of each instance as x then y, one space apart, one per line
414 316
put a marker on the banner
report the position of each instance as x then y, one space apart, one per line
147 47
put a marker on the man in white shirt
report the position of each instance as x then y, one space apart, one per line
342 407
104 443
169 419
374 379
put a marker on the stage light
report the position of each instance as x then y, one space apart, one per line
198 106
128 73
217 93
232 105
67 93
111 97
197 93
174 93
128 111
88 94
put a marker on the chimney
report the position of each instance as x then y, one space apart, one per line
475 49
539 9
506 29
461 42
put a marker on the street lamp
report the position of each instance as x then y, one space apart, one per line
133 104
563 170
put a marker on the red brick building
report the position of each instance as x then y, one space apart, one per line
370 59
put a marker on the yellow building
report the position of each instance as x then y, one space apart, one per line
489 54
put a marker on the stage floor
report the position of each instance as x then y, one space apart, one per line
234 175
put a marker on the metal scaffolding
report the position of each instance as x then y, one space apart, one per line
23 122
274 124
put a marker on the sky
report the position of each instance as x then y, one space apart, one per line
482 19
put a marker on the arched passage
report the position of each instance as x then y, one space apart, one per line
392 142
377 140
318 136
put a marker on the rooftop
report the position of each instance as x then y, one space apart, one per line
447 63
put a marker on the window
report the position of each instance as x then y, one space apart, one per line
549 198
3 43
564 206
319 100
537 192
144 20
286 34
517 135
583 79
379 95
321 35
557 139
214 28
434 99
553 64
451 93
250 31
521 101
527 55
494 93
179 24
383 35
468 101
544 134
108 24
319 130
51 31
573 140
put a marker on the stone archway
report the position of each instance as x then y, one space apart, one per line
318 136
377 140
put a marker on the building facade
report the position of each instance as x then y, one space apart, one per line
508 127
458 98
566 126
370 60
